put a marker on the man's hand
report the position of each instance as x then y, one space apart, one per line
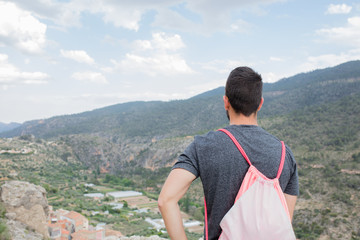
175 186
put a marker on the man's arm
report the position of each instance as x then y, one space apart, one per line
290 201
175 186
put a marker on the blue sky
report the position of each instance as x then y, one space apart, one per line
64 57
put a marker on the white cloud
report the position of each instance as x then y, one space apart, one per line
11 75
329 60
338 9
143 45
164 64
121 17
206 24
271 77
125 14
61 13
20 29
349 34
77 55
223 66
68 14
240 26
156 56
216 15
212 15
170 19
160 42
33 81
93 77
166 42
276 59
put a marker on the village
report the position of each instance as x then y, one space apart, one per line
66 225
80 210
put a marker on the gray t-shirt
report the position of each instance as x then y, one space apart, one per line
216 160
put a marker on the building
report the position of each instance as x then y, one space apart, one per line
96 196
124 194
89 235
65 225
79 221
60 230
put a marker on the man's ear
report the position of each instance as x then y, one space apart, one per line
226 102
261 103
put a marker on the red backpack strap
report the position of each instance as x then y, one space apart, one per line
237 144
206 221
283 153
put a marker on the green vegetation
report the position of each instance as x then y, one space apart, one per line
4 233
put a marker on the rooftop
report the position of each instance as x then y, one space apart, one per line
123 194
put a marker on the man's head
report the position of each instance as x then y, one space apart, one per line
244 90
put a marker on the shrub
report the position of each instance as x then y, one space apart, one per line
4 233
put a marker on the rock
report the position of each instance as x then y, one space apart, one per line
11 216
26 203
142 238
19 231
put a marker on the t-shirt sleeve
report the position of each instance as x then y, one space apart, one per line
188 160
292 187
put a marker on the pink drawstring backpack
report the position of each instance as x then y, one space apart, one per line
260 210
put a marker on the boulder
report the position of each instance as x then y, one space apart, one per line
26 203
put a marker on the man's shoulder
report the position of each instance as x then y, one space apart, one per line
239 131
251 131
207 138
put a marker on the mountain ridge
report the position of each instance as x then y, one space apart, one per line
344 70
201 112
8 126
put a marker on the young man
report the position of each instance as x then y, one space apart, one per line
214 158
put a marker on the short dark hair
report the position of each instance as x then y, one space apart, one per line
244 90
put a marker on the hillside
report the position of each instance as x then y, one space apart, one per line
199 113
153 134
325 140
4 127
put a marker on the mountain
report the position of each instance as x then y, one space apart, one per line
313 88
133 119
152 134
4 127
199 113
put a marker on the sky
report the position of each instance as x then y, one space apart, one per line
69 56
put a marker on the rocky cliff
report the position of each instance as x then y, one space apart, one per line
26 207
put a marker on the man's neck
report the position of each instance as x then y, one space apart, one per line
240 119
